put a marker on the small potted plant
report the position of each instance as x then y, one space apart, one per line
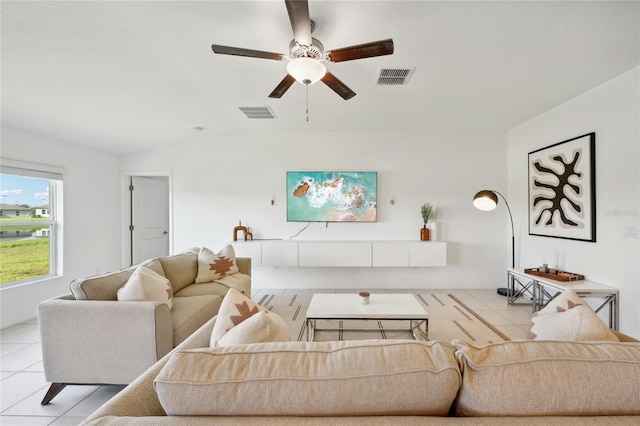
428 214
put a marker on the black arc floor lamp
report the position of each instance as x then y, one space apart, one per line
488 200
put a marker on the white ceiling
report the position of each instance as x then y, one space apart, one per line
129 76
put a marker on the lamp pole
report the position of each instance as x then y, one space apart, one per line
513 235
487 199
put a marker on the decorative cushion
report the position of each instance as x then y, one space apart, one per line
181 269
548 378
569 318
262 327
339 378
106 286
213 266
235 308
147 285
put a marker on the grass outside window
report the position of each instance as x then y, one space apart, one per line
24 258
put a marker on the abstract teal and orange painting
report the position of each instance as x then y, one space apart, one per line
332 196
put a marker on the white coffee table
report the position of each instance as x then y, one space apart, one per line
382 306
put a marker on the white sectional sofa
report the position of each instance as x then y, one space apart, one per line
384 382
91 337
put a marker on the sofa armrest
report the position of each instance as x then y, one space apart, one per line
97 341
244 265
140 399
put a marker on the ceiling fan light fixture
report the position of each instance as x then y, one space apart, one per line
306 70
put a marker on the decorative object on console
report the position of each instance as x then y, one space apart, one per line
428 214
364 297
553 274
240 228
562 198
213 266
332 196
488 200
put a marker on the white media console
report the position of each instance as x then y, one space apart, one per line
297 254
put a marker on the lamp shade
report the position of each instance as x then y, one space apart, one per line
306 70
485 200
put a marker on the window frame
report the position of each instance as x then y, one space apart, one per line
54 175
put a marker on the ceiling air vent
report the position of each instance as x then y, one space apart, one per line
394 76
258 112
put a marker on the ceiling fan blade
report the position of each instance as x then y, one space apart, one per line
300 21
282 87
238 51
360 51
337 86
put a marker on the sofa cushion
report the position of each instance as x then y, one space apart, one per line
180 269
346 378
106 286
549 378
212 266
262 327
569 318
146 285
189 313
235 308
239 281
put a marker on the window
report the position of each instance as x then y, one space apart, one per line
30 214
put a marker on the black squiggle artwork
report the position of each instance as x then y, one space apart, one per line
569 170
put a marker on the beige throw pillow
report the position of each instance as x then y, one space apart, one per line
569 318
147 285
234 309
213 266
259 328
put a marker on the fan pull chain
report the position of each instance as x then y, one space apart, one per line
306 87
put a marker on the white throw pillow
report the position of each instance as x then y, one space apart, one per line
147 285
262 327
569 318
234 309
213 266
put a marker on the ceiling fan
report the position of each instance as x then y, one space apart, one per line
306 54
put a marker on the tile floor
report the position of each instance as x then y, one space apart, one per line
23 385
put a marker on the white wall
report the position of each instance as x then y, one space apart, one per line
612 111
226 179
91 217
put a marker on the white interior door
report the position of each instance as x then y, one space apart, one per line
149 217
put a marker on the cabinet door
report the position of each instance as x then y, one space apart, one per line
353 254
428 253
390 253
317 254
248 249
280 254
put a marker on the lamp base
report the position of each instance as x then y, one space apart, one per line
502 291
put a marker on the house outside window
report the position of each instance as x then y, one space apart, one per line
30 218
